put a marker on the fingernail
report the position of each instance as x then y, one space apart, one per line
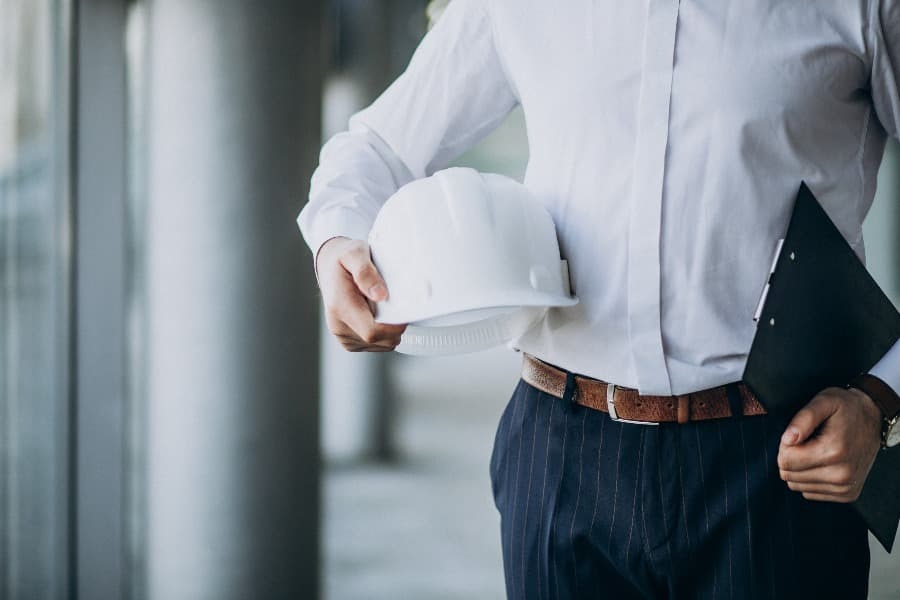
790 436
377 292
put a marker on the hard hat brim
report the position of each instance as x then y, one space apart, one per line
392 314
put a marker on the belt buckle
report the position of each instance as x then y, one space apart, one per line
611 406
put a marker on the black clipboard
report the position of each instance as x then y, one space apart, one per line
823 321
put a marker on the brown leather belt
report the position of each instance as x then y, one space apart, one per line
629 405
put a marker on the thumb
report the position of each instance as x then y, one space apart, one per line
366 277
808 419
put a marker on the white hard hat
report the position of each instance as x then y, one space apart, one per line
470 260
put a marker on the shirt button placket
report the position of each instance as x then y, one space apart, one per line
645 218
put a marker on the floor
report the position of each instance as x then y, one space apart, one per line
426 528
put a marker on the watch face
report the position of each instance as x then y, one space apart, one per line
893 433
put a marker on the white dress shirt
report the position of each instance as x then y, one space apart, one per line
667 139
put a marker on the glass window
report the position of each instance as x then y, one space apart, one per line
34 292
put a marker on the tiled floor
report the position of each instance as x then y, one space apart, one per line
426 528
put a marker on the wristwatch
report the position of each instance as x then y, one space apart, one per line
888 401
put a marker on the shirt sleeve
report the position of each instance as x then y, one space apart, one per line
885 82
886 98
888 368
454 92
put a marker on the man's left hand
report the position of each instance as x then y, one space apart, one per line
829 446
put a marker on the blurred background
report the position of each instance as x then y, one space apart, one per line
174 420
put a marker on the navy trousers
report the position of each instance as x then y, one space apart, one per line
593 508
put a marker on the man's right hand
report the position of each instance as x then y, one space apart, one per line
348 281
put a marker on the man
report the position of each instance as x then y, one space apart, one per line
668 139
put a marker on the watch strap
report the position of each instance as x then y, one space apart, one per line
887 400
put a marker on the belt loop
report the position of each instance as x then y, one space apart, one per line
735 402
684 409
571 387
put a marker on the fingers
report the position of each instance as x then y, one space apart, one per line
831 474
835 480
349 283
353 344
810 455
366 277
356 329
357 315
834 483
809 418
829 489
827 492
829 447
829 497
368 332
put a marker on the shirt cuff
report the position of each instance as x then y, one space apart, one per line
337 222
888 368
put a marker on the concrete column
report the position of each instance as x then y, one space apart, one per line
98 416
377 39
232 324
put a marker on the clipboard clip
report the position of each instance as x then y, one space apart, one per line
765 292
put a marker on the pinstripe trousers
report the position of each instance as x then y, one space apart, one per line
594 508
